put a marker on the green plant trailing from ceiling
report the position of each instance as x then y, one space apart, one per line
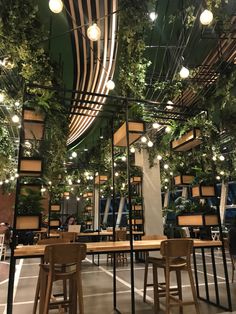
24 40
134 22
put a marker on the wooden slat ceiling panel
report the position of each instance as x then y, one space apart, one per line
95 60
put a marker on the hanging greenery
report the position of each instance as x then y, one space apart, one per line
134 24
23 41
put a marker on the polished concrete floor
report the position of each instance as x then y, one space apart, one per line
98 287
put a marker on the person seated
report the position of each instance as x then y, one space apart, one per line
70 220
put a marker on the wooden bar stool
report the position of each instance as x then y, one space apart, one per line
71 236
120 257
61 262
176 256
148 260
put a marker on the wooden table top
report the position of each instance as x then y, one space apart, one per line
109 246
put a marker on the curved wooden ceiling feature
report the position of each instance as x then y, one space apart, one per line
94 61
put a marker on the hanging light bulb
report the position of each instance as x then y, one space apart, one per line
169 105
155 125
143 139
206 17
222 158
168 129
123 158
56 6
153 16
150 144
110 85
116 174
159 157
132 149
15 118
2 96
74 155
184 72
94 32
217 177
166 166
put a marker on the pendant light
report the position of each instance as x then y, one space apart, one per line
94 32
206 17
56 6
110 85
184 72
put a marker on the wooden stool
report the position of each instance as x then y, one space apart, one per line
176 257
148 260
120 257
70 236
58 261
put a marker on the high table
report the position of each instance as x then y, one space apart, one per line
139 245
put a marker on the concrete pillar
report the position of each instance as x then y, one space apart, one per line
153 221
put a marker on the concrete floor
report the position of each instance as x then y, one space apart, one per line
97 283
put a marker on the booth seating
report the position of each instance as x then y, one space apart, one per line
148 260
176 256
65 267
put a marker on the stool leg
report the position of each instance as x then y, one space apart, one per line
36 298
80 293
179 285
193 290
167 276
233 268
155 289
145 278
48 295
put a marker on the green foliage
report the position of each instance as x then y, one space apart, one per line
30 202
134 22
7 153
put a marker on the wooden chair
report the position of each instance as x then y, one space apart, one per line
48 241
148 260
71 236
54 268
176 256
120 235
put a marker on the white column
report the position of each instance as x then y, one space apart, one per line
108 202
223 200
120 210
153 221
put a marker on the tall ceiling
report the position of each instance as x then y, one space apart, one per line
176 39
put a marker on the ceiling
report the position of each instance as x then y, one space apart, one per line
174 40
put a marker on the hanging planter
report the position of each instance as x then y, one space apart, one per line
195 219
88 194
203 191
28 222
55 208
135 131
137 207
184 179
188 141
100 179
135 180
30 167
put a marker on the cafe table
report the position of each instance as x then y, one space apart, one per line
31 251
